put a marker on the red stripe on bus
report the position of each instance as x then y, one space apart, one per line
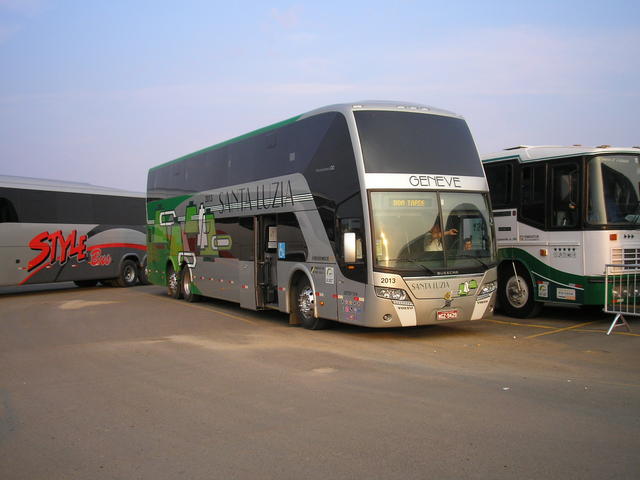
119 245
32 274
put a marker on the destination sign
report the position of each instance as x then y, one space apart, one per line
408 202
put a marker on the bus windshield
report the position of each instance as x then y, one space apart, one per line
613 190
401 142
432 233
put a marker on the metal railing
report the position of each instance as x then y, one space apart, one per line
622 293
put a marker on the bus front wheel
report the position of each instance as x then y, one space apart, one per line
516 294
305 302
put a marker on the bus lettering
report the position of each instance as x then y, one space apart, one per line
49 245
98 259
441 181
268 195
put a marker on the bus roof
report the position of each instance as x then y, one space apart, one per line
28 183
531 153
343 108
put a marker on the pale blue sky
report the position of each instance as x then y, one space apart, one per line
99 91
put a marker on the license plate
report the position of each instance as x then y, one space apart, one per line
447 314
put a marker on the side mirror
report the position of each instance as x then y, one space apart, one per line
349 247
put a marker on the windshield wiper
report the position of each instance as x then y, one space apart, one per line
474 258
633 218
427 270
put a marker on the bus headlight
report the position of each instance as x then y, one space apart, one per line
488 288
391 293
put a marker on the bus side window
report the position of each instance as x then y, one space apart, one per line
499 179
565 196
533 194
289 233
7 211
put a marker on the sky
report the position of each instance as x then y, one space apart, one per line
100 91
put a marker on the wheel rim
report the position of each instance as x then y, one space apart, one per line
305 302
186 281
173 282
517 291
129 274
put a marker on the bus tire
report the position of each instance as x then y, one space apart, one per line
304 305
144 276
187 285
516 294
128 274
86 283
174 289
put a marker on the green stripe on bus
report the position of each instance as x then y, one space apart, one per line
593 293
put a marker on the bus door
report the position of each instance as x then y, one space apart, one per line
266 261
565 239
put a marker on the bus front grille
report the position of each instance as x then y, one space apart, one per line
624 256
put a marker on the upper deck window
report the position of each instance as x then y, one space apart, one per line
404 142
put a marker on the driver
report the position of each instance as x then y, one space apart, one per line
433 239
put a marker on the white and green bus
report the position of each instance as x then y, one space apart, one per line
57 231
561 214
373 214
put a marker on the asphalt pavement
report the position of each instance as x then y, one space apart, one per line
109 383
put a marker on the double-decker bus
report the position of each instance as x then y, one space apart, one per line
373 214
53 231
562 214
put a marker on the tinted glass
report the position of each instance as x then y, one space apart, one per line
533 193
565 199
288 149
241 232
499 179
289 233
7 211
41 206
402 142
614 194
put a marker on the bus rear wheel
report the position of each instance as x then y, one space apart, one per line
174 289
144 273
516 294
128 274
304 305
187 285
